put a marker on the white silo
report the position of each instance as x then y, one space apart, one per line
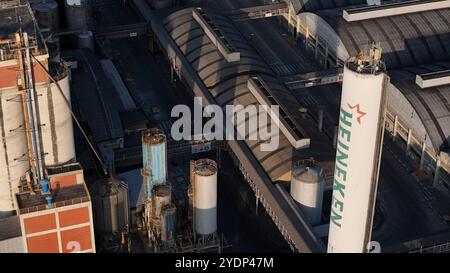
307 184
205 196
358 152
14 161
56 118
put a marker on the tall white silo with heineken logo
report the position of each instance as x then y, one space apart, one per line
358 152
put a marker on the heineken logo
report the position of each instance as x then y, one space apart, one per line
347 117
359 113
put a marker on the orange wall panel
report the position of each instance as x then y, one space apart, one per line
47 243
76 239
40 75
63 181
73 217
8 76
40 223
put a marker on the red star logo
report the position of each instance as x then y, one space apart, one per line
358 110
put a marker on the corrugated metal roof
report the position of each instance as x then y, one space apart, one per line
227 81
311 5
431 104
407 40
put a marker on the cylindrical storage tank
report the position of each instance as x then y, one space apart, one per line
56 118
168 222
161 195
47 15
110 205
14 161
360 137
160 4
154 158
86 40
205 196
307 186
77 14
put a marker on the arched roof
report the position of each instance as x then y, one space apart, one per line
311 5
227 81
407 40
431 104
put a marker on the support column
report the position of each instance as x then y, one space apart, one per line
408 142
395 127
335 135
422 156
437 171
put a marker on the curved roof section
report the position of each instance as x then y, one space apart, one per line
227 81
431 104
311 5
407 40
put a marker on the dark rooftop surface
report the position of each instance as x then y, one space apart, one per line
435 75
13 17
10 228
95 96
61 197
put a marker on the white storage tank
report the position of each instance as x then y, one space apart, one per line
110 205
307 186
161 195
47 15
205 196
56 118
86 40
358 152
14 161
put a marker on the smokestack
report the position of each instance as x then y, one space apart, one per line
358 152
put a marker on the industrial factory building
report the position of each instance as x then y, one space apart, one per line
42 185
416 48
88 161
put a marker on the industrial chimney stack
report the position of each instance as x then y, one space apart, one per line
358 152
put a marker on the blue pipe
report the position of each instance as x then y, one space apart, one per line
33 136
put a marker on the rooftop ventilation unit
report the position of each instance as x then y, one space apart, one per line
433 79
392 9
216 36
287 125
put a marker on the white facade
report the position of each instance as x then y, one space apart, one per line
357 161
13 149
56 123
205 198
